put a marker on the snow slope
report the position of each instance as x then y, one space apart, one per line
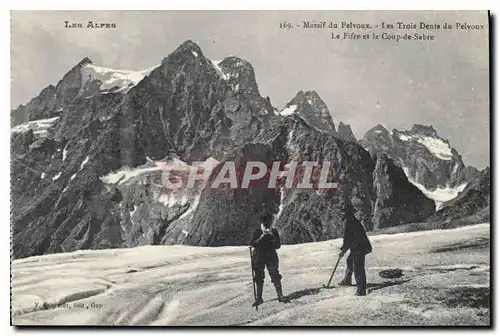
435 146
288 110
110 78
439 195
182 285
174 166
39 127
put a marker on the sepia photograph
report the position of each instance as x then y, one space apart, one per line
250 168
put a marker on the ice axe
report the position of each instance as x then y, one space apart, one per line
334 269
253 278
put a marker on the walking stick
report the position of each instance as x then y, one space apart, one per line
334 269
253 279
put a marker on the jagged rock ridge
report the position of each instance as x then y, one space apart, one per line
397 200
427 159
93 178
473 202
60 203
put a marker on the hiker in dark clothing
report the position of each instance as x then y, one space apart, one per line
265 242
357 242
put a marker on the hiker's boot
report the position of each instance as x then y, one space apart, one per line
346 282
279 291
258 301
361 290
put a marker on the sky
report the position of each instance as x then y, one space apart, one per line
443 83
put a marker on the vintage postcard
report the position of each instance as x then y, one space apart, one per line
250 168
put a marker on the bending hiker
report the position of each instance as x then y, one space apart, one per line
357 242
265 242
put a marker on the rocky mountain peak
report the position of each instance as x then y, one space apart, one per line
95 181
428 160
378 131
345 132
313 95
84 62
397 200
376 140
188 47
51 100
237 63
473 203
311 98
379 127
75 72
310 107
240 75
424 130
188 53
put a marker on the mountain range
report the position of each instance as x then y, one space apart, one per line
87 157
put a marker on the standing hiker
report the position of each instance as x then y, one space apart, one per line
357 242
265 242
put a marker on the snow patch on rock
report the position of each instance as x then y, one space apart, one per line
125 173
192 207
178 198
288 110
236 87
282 204
112 78
65 152
210 163
39 127
404 137
437 147
84 162
131 213
219 70
440 194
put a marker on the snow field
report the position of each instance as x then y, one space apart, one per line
183 285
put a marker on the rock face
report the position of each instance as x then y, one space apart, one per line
311 108
227 216
88 168
474 200
187 104
397 200
20 142
345 133
313 111
308 215
428 160
50 102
